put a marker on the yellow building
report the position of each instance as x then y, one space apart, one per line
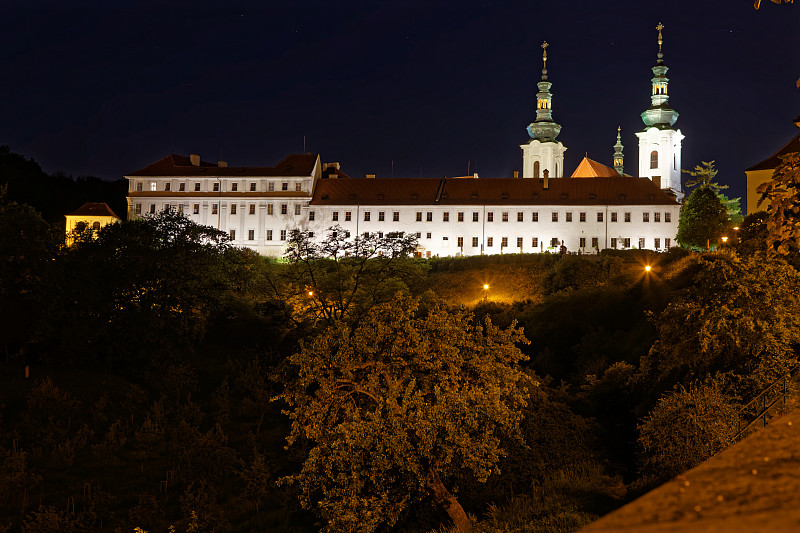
762 172
91 214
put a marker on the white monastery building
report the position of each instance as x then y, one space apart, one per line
596 207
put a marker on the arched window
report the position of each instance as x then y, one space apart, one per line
96 225
546 173
654 159
535 169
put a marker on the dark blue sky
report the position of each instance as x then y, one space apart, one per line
105 88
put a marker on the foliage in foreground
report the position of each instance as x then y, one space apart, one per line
398 405
783 193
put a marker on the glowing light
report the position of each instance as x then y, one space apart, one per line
724 239
736 228
486 287
311 293
647 268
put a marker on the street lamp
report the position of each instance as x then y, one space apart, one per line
485 291
647 268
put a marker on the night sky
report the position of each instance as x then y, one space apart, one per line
106 88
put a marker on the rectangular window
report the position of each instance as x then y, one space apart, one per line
296 209
233 209
152 208
461 242
419 235
213 209
311 216
641 243
285 187
582 217
613 216
490 216
535 216
270 186
251 235
599 216
554 241
196 187
298 186
461 216
489 242
594 242
474 242
366 216
152 186
582 242
283 234
429 216
505 216
645 217
626 243
253 186
520 216
475 216
347 216
139 185
270 209
269 234
666 243
569 216
667 217
137 209
234 187
555 216
446 216
419 216
535 242
381 216
232 234
180 208
519 242
335 216
657 242
182 186
504 242
196 209
284 209
428 235
657 216
216 187
614 242
627 216
445 238
395 216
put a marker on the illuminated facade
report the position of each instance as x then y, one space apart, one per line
92 215
659 142
762 172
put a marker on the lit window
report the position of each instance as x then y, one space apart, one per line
446 216
335 216
233 209
251 235
196 209
283 234
296 209
252 209
138 209
381 216
234 187
233 234
284 209
396 216
153 186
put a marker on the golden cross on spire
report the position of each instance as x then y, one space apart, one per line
544 47
660 38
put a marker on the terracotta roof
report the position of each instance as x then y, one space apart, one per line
333 173
179 165
774 160
93 209
589 168
492 191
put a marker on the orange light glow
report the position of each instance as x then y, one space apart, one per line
486 287
647 268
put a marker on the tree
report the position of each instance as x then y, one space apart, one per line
396 406
703 219
341 277
783 193
757 4
704 174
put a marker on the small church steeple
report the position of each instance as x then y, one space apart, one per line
659 114
544 128
618 157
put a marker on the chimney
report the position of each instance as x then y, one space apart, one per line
222 164
516 174
194 159
326 166
370 176
475 175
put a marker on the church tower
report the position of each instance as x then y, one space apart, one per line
619 159
542 155
659 142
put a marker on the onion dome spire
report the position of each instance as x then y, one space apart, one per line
618 157
544 129
659 114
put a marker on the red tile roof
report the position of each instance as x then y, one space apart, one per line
178 165
774 160
588 168
492 191
93 209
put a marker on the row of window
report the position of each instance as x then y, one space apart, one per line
215 187
284 209
595 241
504 216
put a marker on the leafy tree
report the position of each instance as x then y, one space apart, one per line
703 219
733 208
783 193
739 315
752 234
704 175
341 277
396 406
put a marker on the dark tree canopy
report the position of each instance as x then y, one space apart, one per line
703 219
783 193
